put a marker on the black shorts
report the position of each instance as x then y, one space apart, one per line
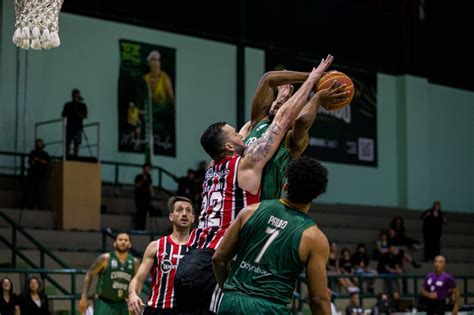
74 135
195 282
159 311
435 307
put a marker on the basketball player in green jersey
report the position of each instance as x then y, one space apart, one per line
296 140
275 241
115 270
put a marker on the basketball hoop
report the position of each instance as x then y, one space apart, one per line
37 23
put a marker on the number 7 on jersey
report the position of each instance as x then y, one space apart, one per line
273 235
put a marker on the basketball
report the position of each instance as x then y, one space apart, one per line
326 81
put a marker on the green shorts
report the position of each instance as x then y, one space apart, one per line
110 308
241 304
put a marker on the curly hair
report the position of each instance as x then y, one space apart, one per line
212 138
307 179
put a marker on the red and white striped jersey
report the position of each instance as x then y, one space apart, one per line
222 199
167 258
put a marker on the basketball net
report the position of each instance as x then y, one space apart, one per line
37 23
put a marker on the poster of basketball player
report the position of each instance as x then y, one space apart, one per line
146 98
347 135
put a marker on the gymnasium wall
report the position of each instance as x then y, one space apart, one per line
440 145
425 131
426 148
88 59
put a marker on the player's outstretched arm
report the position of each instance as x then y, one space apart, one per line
258 154
97 266
261 103
265 90
284 93
298 137
228 247
314 250
135 304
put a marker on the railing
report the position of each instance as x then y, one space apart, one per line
15 252
72 295
161 171
63 132
16 228
23 157
116 165
416 281
62 141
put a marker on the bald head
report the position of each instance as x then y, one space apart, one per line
439 264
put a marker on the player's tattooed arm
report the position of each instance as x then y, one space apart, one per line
97 266
264 147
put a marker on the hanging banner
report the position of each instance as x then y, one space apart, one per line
146 99
348 135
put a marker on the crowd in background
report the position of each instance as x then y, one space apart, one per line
390 256
32 301
390 253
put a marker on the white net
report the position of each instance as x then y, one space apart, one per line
37 23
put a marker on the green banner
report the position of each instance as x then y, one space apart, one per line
147 99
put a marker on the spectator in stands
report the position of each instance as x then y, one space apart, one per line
398 225
187 185
345 262
433 220
75 112
395 301
383 305
9 304
354 307
200 174
333 269
438 286
143 196
360 261
392 263
381 245
34 301
393 237
38 161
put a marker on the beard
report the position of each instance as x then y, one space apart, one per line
239 149
121 250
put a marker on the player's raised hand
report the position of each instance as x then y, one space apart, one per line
135 304
324 65
334 94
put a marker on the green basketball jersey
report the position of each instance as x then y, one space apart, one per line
113 281
268 260
274 173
